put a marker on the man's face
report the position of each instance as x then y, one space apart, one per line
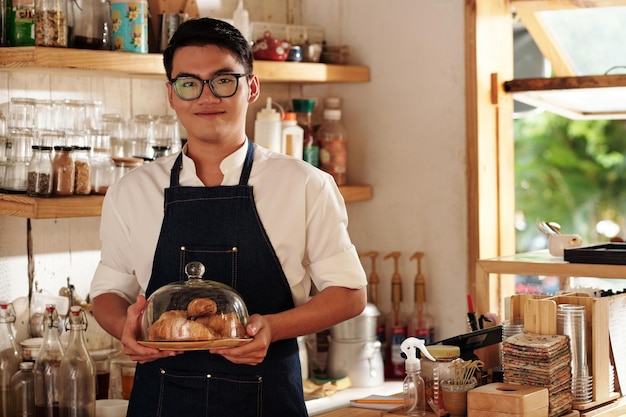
209 118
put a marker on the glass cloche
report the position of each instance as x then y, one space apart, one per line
195 313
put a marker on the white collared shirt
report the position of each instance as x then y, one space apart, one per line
300 207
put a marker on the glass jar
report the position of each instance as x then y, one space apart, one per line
167 133
3 146
434 373
18 155
22 113
141 136
51 138
43 114
102 171
40 172
82 170
113 124
63 171
93 27
51 24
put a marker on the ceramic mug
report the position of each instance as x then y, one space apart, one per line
557 243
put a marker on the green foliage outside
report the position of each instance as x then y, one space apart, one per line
572 172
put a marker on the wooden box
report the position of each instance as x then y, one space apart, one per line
512 400
539 316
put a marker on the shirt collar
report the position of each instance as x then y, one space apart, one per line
231 167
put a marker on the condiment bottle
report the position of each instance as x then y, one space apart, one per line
267 127
421 323
9 357
77 372
413 384
82 168
51 24
435 372
23 391
63 171
333 138
40 172
292 136
47 383
311 145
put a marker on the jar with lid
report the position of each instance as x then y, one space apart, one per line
334 149
63 171
40 172
82 170
51 24
167 133
102 170
113 125
434 373
18 155
93 27
23 391
21 22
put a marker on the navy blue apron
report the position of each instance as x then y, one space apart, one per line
220 227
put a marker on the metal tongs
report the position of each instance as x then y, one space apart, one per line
549 228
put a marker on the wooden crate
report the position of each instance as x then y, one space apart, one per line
539 316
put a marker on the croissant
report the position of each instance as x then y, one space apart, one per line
179 328
201 307
225 324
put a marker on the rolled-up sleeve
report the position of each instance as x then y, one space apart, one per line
344 268
108 280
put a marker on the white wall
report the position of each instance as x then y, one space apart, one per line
406 138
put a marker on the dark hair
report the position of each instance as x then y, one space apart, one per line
206 31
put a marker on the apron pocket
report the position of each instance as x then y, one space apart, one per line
222 259
194 394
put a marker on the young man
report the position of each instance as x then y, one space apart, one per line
224 201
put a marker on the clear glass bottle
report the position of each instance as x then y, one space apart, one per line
63 171
23 390
333 138
77 372
40 172
102 171
311 146
47 364
93 26
51 23
82 170
9 357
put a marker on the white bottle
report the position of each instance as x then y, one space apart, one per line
241 20
413 385
292 138
267 128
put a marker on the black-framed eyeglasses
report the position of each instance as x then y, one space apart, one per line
190 87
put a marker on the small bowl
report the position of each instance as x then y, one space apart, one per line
111 408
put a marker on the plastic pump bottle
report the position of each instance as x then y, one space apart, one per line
268 128
413 386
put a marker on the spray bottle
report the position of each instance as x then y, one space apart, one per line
413 386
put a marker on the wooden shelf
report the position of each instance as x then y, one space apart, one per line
126 64
20 205
588 97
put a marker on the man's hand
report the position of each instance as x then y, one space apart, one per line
254 352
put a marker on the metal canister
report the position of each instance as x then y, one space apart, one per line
168 24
